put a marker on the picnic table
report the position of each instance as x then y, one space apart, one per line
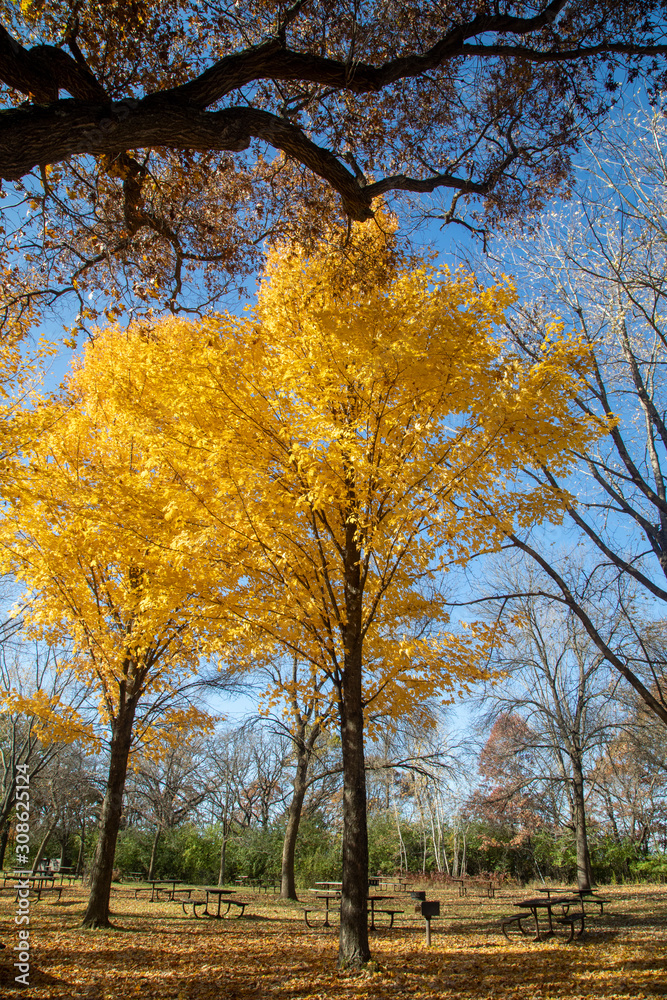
390 912
538 906
159 885
372 901
67 873
38 883
388 882
585 895
267 883
214 893
327 897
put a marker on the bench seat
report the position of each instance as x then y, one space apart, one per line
336 909
390 913
571 919
194 903
508 921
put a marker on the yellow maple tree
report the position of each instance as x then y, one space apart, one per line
333 446
82 529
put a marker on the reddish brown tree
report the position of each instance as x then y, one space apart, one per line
151 147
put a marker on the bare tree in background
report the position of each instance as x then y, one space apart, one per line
601 265
167 788
559 685
27 669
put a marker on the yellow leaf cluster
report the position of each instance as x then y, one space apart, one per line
83 529
313 467
54 720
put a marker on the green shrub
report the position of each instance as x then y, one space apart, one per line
651 869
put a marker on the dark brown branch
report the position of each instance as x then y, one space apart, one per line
577 54
68 128
272 61
44 70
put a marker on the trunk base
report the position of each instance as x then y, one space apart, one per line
93 923
358 964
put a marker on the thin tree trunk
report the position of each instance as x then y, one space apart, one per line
353 950
436 838
223 859
82 847
97 912
287 881
584 873
402 853
151 866
41 850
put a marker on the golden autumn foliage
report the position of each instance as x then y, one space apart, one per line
296 481
82 528
92 576
55 720
345 431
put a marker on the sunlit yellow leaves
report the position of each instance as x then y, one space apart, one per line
313 467
295 480
83 529
54 721
163 735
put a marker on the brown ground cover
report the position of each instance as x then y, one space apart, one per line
154 951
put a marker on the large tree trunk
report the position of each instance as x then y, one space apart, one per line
97 912
584 874
4 837
353 950
287 883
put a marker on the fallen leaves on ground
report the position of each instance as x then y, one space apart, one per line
155 951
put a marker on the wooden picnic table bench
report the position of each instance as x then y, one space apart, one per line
391 912
537 905
158 885
212 893
325 923
267 883
388 883
39 889
461 884
585 895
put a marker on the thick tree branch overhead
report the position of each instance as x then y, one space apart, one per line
243 120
